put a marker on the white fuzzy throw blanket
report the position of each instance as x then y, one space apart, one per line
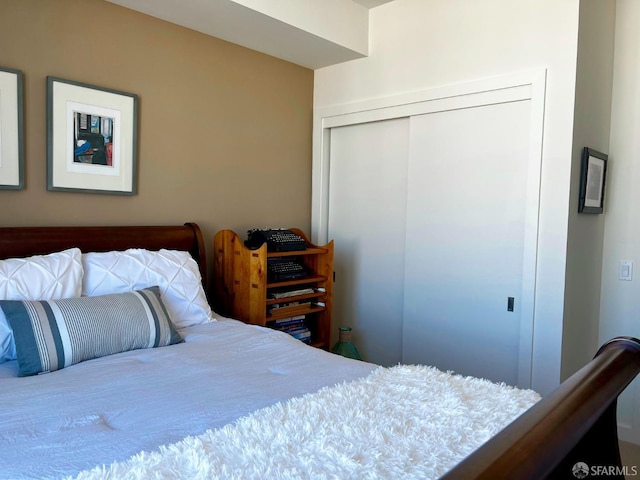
409 422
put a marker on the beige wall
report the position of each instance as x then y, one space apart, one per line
224 132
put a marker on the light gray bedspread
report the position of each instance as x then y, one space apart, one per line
109 409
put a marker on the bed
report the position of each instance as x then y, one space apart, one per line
227 400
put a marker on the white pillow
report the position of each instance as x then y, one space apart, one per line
175 272
40 277
7 344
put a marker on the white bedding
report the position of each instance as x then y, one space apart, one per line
406 422
109 409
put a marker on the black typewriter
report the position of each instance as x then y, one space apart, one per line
284 269
278 240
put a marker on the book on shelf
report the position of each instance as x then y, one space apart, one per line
278 308
281 322
306 338
302 335
296 330
284 293
287 323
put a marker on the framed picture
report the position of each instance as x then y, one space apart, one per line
592 181
11 140
91 138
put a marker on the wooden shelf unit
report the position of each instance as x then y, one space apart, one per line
241 286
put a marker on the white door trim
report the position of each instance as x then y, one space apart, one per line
514 87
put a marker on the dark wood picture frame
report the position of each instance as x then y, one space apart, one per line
11 130
593 177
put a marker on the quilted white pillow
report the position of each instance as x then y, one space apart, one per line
175 272
40 277
7 344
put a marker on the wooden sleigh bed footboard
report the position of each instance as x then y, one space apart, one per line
576 424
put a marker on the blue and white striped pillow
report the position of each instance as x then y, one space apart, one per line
53 334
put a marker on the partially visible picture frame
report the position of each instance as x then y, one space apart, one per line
91 138
11 130
593 176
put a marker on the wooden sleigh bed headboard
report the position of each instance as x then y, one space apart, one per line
27 241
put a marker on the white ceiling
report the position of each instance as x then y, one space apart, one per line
372 3
232 21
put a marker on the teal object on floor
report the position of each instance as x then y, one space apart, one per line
344 346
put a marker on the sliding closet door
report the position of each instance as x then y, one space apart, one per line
366 218
465 234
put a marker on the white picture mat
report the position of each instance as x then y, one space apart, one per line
9 129
93 177
595 184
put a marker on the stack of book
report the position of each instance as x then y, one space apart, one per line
294 326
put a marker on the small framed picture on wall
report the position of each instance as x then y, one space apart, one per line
592 181
11 139
91 138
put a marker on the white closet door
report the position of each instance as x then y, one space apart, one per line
366 218
465 233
